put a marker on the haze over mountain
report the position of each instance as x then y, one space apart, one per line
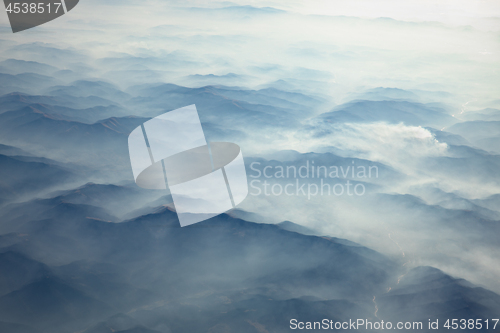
400 113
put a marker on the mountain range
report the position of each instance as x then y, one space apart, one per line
84 249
